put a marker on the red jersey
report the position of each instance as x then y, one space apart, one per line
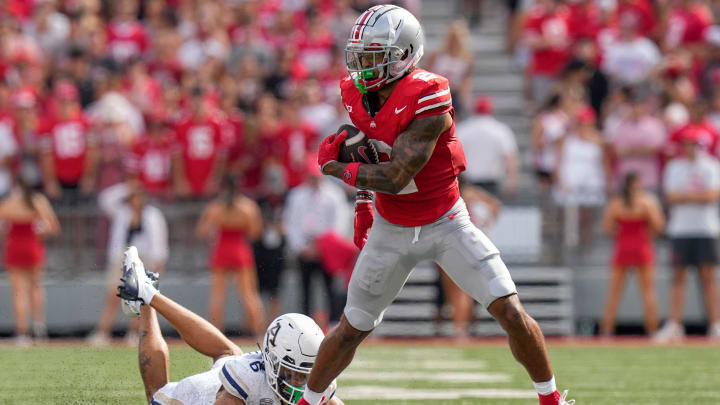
126 39
584 20
640 11
686 26
232 128
315 51
200 143
434 189
68 140
291 147
150 161
555 29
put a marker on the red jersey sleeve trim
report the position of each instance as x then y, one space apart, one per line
434 95
440 100
433 106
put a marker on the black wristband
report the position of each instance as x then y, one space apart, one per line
364 195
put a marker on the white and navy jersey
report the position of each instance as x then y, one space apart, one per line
242 376
198 389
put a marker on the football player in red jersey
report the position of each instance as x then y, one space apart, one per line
407 112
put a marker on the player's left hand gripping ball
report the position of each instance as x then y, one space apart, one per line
330 148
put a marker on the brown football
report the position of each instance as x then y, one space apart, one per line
357 147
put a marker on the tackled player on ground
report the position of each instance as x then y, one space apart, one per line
275 375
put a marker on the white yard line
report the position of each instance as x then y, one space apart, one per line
426 364
428 375
395 393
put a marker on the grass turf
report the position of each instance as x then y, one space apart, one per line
598 375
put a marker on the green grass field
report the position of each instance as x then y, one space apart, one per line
621 374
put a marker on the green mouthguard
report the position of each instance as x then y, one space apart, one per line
367 74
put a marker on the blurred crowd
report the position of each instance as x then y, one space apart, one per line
137 106
626 100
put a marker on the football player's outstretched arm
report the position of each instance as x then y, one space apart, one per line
411 150
194 330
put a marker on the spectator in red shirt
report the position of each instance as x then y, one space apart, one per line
126 36
164 65
200 158
150 156
140 88
641 12
315 48
685 25
68 152
585 19
258 155
547 33
232 121
296 140
701 127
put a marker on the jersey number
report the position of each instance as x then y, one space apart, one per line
200 143
424 76
69 141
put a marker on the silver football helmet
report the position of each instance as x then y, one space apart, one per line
385 42
289 349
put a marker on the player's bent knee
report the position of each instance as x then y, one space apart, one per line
361 320
509 312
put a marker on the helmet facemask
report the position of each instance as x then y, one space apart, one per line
286 379
372 67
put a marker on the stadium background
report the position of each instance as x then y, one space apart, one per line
237 51
289 52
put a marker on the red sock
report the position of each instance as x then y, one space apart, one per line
303 402
552 399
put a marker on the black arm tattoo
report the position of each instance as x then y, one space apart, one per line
411 150
145 362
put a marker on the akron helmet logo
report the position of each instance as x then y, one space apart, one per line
266 401
272 335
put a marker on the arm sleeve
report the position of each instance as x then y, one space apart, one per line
230 377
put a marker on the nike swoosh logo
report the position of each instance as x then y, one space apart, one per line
453 215
399 110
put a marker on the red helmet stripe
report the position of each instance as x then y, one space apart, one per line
363 18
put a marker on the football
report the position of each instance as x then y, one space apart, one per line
357 147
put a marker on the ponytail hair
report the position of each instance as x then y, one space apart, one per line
28 179
626 190
229 189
